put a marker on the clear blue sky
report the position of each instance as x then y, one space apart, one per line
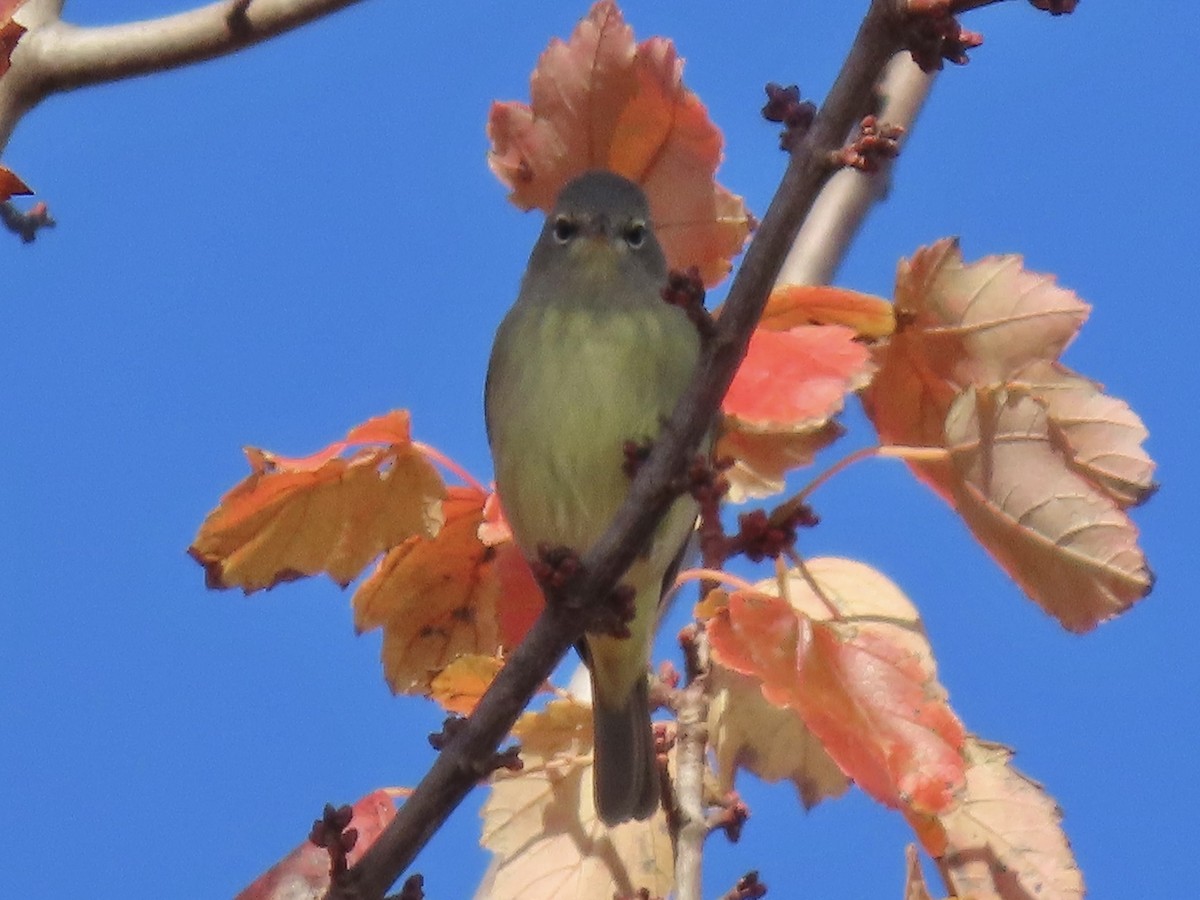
272 247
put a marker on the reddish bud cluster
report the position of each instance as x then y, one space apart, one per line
332 832
747 888
636 453
876 142
934 34
731 818
556 567
686 290
785 106
761 536
414 888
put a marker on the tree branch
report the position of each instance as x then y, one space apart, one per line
839 212
458 767
56 56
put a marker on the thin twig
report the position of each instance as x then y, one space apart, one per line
691 710
55 56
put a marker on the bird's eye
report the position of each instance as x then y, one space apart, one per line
635 235
564 229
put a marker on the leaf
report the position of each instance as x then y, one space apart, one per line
1005 839
541 826
1039 463
460 685
434 597
914 880
10 184
864 683
778 410
304 873
1100 435
601 101
521 600
747 732
1062 539
293 518
10 34
761 460
791 305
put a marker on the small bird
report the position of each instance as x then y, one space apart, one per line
589 358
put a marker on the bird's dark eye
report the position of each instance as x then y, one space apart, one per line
635 235
564 229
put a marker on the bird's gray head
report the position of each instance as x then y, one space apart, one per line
600 227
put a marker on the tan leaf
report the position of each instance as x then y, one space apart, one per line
459 686
601 101
914 880
541 826
330 513
1040 464
435 598
1059 536
761 460
747 732
1101 435
1005 838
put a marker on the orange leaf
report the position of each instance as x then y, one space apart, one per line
801 304
778 411
10 184
1005 839
540 823
304 873
10 34
459 686
324 513
796 380
432 597
864 684
521 599
601 101
1039 463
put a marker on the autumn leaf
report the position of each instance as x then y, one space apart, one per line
540 823
1038 462
794 379
521 598
791 305
304 873
914 880
863 683
599 100
10 34
1005 839
11 185
438 598
328 512
460 685
1058 535
747 732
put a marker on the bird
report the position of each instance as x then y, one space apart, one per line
589 358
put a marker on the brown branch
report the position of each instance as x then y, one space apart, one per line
56 56
459 766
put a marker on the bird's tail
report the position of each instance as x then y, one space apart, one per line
626 772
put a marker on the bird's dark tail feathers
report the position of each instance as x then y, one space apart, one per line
626 772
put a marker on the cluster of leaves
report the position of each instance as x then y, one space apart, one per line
821 675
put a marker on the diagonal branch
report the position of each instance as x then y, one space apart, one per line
460 765
56 56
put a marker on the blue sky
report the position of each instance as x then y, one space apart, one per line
272 247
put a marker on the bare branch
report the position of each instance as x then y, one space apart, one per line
844 203
690 746
56 56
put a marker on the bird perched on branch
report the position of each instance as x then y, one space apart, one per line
588 359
